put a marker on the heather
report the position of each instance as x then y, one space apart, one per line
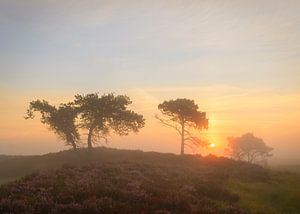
123 181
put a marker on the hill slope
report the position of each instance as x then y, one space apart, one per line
122 181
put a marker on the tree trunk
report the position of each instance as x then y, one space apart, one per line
70 141
182 139
89 140
74 146
248 157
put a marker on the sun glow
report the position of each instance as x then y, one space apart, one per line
212 145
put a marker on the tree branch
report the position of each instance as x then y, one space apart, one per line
168 123
195 140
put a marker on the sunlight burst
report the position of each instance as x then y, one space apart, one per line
212 145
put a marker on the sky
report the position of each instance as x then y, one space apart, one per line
239 60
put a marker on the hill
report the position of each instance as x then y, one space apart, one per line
122 181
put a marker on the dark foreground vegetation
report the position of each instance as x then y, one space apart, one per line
120 181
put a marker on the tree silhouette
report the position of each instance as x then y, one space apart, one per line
100 115
61 120
249 148
183 116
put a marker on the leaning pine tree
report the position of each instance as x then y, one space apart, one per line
183 115
102 114
59 119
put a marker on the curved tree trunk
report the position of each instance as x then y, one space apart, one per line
74 146
70 141
89 140
182 139
90 135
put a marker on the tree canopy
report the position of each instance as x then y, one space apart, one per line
59 119
183 115
101 114
249 148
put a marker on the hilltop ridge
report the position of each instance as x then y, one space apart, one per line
107 180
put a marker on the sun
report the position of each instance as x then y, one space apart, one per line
212 145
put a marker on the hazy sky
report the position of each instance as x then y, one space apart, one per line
240 60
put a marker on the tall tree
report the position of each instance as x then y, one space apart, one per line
101 114
59 119
183 115
249 148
